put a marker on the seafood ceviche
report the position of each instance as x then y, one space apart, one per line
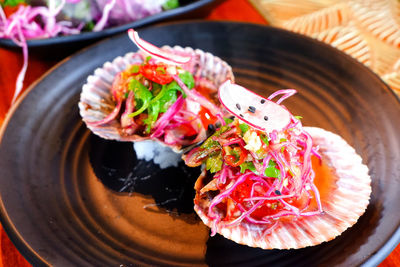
266 180
258 176
258 186
163 94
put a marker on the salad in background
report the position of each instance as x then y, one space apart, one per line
22 20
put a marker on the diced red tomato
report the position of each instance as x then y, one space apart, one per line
9 10
207 117
186 129
156 73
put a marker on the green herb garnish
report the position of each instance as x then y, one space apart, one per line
228 120
12 2
264 138
244 127
142 97
272 171
187 79
170 4
298 117
214 162
248 165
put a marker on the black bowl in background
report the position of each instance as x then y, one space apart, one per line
62 46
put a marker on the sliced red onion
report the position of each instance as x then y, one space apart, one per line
197 97
155 51
109 117
253 109
163 121
285 92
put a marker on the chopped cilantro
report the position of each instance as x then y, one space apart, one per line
209 143
134 69
272 171
248 165
174 86
88 26
142 97
170 4
298 117
214 162
264 138
228 120
12 2
187 79
244 127
153 111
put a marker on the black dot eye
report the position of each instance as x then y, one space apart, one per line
252 109
265 118
241 115
262 101
238 106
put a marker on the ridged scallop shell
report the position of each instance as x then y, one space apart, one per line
346 201
96 100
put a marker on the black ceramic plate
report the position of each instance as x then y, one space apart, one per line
60 199
58 47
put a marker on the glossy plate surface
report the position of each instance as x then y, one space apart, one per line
70 198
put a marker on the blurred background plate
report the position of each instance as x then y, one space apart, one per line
59 47
69 198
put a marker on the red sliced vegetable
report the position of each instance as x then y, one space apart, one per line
110 116
155 51
156 73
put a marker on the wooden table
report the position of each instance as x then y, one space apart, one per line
11 62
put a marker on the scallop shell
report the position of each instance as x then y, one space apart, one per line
96 100
346 201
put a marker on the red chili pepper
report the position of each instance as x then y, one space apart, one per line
9 10
206 117
156 73
186 129
230 159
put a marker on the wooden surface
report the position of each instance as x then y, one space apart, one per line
11 62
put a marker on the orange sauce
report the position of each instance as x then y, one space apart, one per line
324 178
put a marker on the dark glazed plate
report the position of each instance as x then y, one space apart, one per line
59 47
59 183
